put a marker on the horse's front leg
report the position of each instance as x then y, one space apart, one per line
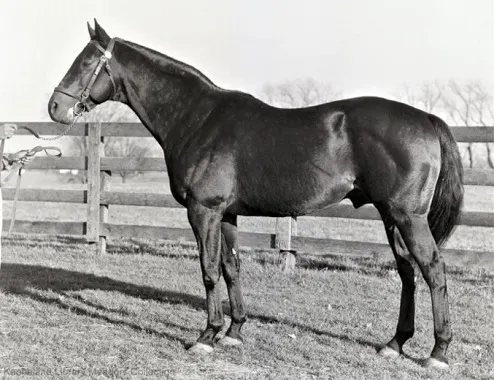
206 224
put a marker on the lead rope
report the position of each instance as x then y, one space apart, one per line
14 205
19 178
18 167
2 148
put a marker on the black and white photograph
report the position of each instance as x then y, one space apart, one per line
247 190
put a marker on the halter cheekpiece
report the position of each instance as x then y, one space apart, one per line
81 106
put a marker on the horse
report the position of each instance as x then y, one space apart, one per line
228 153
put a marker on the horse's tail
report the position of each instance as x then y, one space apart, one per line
448 195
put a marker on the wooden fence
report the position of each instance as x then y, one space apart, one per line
99 197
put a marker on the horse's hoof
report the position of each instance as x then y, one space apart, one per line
228 341
434 363
200 349
388 352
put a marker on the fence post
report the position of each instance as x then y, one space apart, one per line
284 229
105 183
93 182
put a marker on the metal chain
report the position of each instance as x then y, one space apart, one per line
62 134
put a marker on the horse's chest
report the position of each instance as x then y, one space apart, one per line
202 177
179 180
178 186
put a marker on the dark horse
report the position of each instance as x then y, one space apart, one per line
230 154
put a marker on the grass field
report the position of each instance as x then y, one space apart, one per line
66 313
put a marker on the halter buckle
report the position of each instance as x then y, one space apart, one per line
85 94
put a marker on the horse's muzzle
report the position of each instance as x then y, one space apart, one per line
61 108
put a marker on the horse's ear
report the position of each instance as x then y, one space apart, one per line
91 31
101 35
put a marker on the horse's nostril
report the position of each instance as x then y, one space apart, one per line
54 105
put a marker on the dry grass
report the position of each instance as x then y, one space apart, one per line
129 314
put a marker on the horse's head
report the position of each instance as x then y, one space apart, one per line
89 81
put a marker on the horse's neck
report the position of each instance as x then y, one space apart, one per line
165 94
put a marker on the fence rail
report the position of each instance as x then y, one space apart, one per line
477 177
461 134
468 218
99 198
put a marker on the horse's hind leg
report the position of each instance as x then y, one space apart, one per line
405 265
420 243
230 264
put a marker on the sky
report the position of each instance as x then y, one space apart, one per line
361 47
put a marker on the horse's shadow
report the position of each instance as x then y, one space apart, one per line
31 280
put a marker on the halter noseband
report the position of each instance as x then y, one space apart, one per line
81 106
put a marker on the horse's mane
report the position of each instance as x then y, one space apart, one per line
170 65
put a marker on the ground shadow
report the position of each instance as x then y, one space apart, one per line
35 241
162 250
365 265
25 280
369 263
22 279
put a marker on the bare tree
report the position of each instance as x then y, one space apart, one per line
426 97
458 105
114 112
298 93
127 147
469 104
483 114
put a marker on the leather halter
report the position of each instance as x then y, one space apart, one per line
81 106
